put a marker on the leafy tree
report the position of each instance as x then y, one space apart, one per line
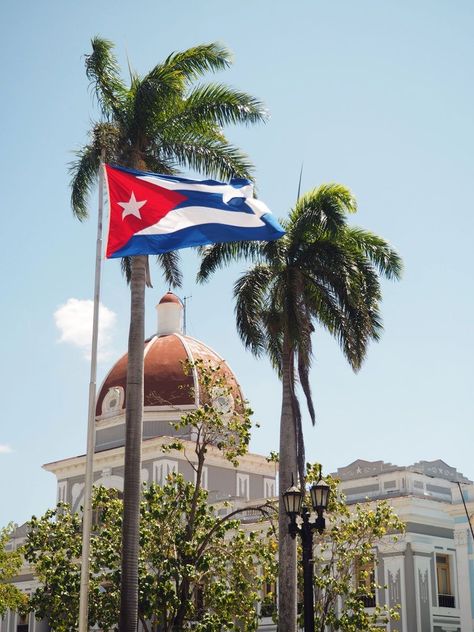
196 569
322 272
345 559
11 598
159 122
206 580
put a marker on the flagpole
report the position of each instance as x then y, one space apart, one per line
89 476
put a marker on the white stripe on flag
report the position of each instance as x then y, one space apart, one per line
196 215
226 190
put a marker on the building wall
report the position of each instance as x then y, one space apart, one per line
425 496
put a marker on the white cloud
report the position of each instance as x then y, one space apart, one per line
5 449
74 321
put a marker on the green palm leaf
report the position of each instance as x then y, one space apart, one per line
103 72
196 61
221 105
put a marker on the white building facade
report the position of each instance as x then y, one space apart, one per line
429 572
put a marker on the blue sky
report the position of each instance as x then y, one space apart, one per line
375 95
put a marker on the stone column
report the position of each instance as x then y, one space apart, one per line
422 568
394 570
463 579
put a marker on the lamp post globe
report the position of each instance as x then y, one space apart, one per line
293 500
319 495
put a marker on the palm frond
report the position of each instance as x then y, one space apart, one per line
156 165
84 174
170 266
221 105
249 292
196 61
216 159
84 170
126 265
161 89
221 255
103 72
377 250
304 353
272 321
322 210
298 422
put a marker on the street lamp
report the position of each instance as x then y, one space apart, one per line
293 501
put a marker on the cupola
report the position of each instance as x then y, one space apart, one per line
170 315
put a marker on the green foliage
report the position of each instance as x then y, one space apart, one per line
273 457
322 272
161 121
196 569
206 580
222 419
10 563
351 541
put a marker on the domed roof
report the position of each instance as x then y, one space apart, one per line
169 297
165 384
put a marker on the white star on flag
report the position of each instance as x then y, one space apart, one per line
132 207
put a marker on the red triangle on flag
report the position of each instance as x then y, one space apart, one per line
134 205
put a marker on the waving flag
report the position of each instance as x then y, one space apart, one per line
151 213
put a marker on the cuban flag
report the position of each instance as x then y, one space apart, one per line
151 213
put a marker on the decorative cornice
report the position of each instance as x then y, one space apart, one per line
151 449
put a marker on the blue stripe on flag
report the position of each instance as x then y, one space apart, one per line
200 235
234 182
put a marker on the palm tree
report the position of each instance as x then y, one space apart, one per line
322 272
159 122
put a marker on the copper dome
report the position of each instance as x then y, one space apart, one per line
165 384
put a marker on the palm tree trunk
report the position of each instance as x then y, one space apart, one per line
287 593
133 449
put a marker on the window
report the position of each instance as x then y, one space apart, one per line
365 582
162 469
22 625
243 486
97 516
62 491
443 578
269 599
268 487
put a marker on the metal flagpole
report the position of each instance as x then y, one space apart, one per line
87 512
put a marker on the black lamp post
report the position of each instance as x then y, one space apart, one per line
294 507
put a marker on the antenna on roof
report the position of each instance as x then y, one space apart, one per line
185 311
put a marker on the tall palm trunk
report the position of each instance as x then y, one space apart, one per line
133 449
287 592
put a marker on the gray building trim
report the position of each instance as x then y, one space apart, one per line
437 489
424 604
27 577
445 618
434 592
394 598
410 592
361 490
424 529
